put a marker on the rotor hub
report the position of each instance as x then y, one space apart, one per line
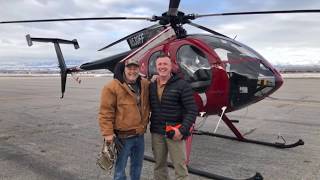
180 19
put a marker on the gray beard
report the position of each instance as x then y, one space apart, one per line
127 81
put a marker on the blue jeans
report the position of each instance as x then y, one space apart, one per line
133 147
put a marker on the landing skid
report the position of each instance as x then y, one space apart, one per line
205 174
240 138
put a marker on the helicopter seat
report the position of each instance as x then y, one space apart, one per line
200 80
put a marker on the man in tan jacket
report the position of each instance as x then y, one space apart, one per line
124 112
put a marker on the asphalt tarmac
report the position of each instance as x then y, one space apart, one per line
45 137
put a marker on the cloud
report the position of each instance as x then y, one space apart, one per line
280 38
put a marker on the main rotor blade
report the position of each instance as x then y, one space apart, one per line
260 12
173 7
126 37
206 29
78 19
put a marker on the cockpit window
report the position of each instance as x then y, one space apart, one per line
249 76
195 67
191 59
237 57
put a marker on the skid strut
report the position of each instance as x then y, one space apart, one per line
205 174
239 136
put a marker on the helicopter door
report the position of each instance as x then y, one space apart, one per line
195 67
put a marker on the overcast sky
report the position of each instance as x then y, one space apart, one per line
281 39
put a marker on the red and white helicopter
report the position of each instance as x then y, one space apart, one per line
225 74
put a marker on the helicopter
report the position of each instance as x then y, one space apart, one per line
226 75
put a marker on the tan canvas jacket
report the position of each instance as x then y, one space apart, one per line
119 110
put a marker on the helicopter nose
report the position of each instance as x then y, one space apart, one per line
251 80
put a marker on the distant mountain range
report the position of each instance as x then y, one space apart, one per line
298 68
43 66
52 67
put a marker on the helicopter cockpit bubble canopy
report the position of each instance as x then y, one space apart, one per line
195 67
251 76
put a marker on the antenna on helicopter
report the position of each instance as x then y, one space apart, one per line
235 37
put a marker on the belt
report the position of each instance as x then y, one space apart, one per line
127 134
